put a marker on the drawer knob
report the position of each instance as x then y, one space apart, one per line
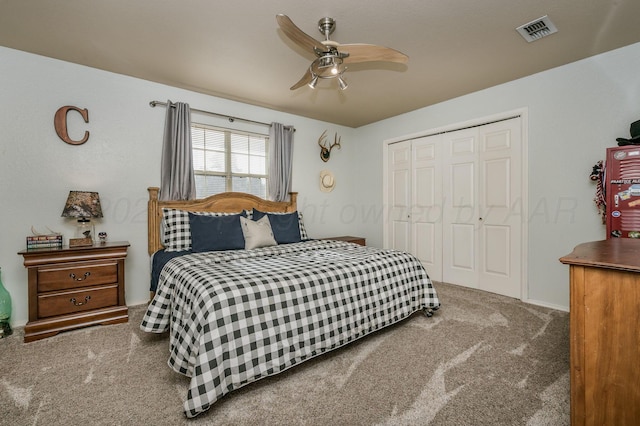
76 303
82 278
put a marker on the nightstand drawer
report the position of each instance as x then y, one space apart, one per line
79 300
73 276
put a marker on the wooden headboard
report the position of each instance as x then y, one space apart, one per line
227 202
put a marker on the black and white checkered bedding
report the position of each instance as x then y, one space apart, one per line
237 316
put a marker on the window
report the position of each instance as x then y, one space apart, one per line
228 160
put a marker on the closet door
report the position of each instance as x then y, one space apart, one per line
399 196
460 218
500 208
455 201
426 204
482 227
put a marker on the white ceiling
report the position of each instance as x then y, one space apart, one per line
235 50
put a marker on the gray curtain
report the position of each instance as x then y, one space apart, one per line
280 161
176 173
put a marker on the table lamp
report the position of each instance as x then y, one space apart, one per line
82 205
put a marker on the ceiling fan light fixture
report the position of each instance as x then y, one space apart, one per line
313 82
331 55
343 84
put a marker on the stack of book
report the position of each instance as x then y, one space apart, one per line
44 241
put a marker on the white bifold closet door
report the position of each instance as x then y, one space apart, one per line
415 193
456 204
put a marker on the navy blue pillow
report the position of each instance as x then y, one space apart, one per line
209 233
285 227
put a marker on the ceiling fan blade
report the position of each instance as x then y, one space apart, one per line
306 78
296 35
371 53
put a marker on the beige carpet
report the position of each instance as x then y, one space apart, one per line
482 359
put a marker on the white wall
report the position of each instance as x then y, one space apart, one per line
120 159
575 112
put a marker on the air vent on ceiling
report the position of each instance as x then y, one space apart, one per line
537 29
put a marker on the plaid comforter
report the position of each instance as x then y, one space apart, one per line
237 316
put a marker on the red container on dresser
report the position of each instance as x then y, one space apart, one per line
622 191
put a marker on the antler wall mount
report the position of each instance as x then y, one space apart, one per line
325 151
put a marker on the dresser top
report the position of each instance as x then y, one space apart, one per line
614 253
94 246
107 250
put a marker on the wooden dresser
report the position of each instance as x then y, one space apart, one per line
605 332
75 287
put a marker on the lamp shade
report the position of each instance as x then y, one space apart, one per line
82 204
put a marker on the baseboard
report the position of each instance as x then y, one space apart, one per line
547 305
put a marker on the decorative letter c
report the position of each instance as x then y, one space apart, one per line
60 124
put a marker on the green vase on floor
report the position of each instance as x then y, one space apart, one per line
5 310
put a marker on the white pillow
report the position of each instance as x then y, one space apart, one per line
257 233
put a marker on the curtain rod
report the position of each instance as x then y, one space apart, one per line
153 104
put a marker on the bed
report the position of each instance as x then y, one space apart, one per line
238 314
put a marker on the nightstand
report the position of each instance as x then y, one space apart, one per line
356 240
73 287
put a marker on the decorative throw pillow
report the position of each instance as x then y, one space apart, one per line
210 233
303 232
257 233
285 226
176 229
176 234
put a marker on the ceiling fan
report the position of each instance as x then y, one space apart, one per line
331 56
